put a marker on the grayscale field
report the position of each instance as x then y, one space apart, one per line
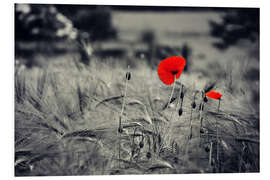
89 101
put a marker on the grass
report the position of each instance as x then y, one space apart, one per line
67 120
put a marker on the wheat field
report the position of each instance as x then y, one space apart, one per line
67 119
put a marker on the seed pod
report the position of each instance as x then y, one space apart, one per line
180 111
148 155
120 130
201 107
159 139
201 131
115 172
155 146
193 105
207 149
128 76
175 159
141 144
133 151
205 99
182 95
190 136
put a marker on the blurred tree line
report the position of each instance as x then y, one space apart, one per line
237 24
52 22
49 22
93 19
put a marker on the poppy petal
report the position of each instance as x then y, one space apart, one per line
166 77
213 94
171 68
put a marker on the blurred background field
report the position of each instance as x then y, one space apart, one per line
138 34
70 65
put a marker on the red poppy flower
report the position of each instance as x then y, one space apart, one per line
169 68
213 94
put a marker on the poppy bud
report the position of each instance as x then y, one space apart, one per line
182 95
207 149
193 105
159 139
205 99
201 107
141 144
117 171
180 111
132 152
155 146
190 136
201 131
128 76
175 160
148 155
120 130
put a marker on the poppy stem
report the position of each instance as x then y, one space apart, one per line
210 153
123 104
193 105
217 137
190 125
119 151
171 93
190 133
218 104
181 90
120 118
170 120
201 120
200 114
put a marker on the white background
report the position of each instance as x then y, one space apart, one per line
7 85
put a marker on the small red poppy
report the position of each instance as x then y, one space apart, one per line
213 94
169 68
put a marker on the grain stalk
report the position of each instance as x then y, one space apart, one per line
133 145
241 157
141 145
41 82
20 87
